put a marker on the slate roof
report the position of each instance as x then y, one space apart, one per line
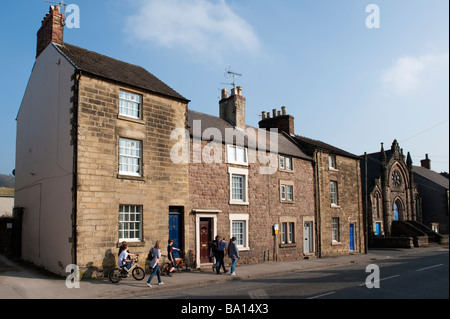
106 67
310 145
432 176
285 146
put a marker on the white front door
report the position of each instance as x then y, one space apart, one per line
308 242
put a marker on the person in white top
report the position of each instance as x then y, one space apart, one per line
124 258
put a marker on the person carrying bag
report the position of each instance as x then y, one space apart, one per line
155 254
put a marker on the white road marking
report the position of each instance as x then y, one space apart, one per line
322 295
381 280
429 267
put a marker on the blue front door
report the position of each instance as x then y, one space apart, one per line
352 237
175 228
378 229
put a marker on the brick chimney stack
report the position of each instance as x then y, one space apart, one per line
280 120
52 29
426 163
232 108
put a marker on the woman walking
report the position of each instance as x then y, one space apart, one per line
155 264
233 253
220 255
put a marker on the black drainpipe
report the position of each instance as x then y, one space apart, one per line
74 134
317 202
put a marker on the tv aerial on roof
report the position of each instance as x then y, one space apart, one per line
61 4
228 73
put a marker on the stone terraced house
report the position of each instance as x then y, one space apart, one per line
93 161
106 152
337 188
235 196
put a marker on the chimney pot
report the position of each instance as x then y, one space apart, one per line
224 94
283 110
426 163
274 111
263 115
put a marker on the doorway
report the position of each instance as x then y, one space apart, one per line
308 235
397 209
378 229
205 238
205 231
176 226
352 237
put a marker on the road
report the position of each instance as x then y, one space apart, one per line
408 276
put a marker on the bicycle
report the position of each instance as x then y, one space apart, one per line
179 266
116 274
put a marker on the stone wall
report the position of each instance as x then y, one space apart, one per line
210 191
100 187
349 208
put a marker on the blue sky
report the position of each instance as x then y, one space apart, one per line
348 85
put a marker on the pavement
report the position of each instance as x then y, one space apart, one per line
20 280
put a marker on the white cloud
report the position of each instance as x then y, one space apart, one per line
410 74
199 27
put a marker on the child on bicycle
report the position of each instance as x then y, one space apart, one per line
124 258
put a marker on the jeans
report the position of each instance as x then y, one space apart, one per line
233 265
156 271
220 262
127 265
217 260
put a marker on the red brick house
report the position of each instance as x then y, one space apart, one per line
235 196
